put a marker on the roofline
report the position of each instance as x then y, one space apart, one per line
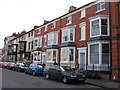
56 19
67 13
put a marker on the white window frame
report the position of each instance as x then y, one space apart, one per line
40 41
100 34
68 29
37 56
46 27
83 29
44 54
69 20
54 25
39 30
53 34
83 13
67 61
51 61
103 1
34 46
100 52
45 40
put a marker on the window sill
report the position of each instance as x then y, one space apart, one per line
100 10
45 30
53 27
69 23
38 33
67 41
49 61
52 44
98 36
100 65
82 17
45 46
82 40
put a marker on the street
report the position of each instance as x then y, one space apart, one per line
13 79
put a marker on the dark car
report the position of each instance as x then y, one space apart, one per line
10 65
20 67
63 73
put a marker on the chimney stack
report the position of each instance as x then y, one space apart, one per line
72 8
14 34
45 22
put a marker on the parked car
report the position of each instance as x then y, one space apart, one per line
4 64
1 63
34 69
63 73
10 65
20 67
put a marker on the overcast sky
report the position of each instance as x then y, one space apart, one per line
19 15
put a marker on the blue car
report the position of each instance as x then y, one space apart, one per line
34 69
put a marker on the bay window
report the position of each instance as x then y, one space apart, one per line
52 55
71 57
99 27
40 41
94 54
65 57
98 53
45 40
104 27
36 42
52 38
68 35
105 53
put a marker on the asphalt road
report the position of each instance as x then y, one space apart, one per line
13 79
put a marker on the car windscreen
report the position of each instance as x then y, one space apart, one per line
22 65
65 68
12 63
39 66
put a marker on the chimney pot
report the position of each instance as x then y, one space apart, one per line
72 8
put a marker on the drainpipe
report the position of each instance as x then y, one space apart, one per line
60 39
109 13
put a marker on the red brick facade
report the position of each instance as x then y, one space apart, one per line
115 27
76 20
84 20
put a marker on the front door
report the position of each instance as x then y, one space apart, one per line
44 58
82 61
82 58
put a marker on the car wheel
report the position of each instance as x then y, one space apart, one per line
33 73
47 76
26 72
65 80
18 70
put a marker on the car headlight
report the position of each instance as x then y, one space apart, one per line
83 76
73 76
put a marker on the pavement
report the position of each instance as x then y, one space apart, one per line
104 83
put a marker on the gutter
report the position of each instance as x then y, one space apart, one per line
109 13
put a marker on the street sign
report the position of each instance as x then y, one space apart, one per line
69 52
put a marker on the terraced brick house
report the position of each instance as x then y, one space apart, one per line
85 38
